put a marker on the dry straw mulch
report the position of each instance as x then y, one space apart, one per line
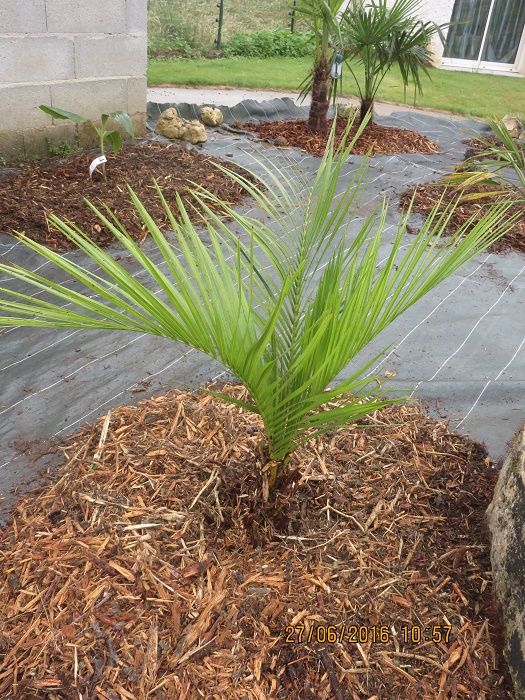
376 139
154 569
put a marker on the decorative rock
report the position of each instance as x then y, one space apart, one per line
514 126
211 116
506 520
348 111
174 127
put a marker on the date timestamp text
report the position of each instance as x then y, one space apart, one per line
375 634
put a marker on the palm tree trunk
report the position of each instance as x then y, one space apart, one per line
367 105
319 106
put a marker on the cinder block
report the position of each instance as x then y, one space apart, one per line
136 95
86 16
87 136
11 146
139 124
35 143
22 16
32 59
62 131
137 16
19 106
90 98
110 56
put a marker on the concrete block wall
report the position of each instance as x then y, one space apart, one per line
85 56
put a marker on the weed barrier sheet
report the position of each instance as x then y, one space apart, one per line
460 349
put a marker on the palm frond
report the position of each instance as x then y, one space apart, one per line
285 306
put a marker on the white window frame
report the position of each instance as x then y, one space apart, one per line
516 68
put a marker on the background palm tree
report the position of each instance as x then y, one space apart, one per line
322 17
374 34
379 37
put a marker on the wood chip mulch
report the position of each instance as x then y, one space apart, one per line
153 569
376 139
428 195
58 185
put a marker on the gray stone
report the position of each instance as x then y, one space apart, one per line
347 111
514 126
173 127
211 116
506 519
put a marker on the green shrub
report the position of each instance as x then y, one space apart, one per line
266 44
61 149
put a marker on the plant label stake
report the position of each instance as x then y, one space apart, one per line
336 72
95 163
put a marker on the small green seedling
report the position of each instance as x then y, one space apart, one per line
113 138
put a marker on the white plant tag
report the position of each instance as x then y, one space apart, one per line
94 164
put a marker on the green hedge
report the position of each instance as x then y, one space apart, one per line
270 44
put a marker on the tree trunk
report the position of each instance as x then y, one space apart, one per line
367 105
319 106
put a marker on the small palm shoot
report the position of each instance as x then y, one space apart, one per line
285 309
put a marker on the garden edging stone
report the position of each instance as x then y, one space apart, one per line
506 519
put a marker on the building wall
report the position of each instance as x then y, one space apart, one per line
85 56
438 12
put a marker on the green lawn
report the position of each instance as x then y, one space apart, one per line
464 93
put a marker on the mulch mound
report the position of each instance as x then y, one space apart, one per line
153 569
385 140
59 186
475 146
428 195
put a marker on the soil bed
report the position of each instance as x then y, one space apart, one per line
376 139
59 185
152 568
427 196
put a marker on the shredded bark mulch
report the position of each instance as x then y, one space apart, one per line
59 185
427 196
376 139
154 569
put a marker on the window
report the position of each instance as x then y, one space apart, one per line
488 30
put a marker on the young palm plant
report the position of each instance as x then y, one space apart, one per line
284 311
323 21
379 36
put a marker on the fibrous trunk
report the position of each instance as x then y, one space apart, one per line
367 105
319 106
